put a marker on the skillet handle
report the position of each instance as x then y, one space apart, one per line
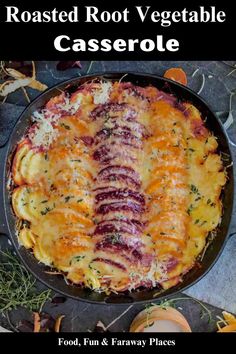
3 225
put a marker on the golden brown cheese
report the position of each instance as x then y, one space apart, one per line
181 178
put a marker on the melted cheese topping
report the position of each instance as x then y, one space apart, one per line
120 186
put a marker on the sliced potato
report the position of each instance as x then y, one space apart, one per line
20 200
22 151
26 238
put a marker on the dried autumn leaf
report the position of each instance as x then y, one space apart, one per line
229 322
11 86
35 84
176 74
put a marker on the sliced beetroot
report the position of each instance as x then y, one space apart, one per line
125 220
146 259
121 136
120 206
110 262
169 98
121 194
132 254
130 181
106 153
118 169
103 134
145 284
117 238
119 247
180 106
138 223
101 154
171 264
103 109
88 140
132 141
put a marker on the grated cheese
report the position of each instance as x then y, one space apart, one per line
68 106
45 132
101 95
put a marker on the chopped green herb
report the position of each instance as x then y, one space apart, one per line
46 210
44 201
203 223
194 189
196 221
114 238
190 208
76 259
79 200
67 127
68 197
18 286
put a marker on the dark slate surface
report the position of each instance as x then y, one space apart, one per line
220 81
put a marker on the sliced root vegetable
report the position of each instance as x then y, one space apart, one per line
229 328
157 319
58 323
36 322
229 321
176 74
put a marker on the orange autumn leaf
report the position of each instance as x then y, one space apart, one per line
58 323
36 322
229 323
176 74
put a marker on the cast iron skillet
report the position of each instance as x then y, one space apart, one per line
57 282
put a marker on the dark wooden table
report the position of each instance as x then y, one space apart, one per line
216 82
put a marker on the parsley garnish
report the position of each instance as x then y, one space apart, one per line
68 197
76 259
46 210
67 127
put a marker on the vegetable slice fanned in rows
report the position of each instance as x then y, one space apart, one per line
117 186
